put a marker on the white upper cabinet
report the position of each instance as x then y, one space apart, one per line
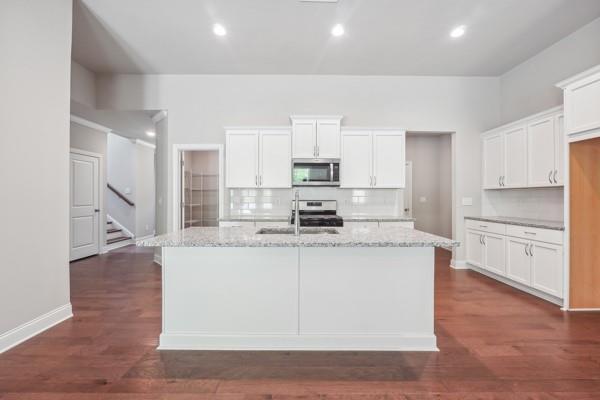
357 160
526 154
515 158
493 161
582 104
258 158
241 155
316 137
389 167
275 150
373 159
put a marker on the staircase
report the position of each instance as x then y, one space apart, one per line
114 234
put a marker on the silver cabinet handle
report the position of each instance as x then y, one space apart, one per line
314 151
550 176
555 173
375 181
370 181
531 250
530 233
256 180
318 151
483 226
526 246
484 241
480 239
260 180
499 181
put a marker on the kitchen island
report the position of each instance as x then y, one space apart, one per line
240 288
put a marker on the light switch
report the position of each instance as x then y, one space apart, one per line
467 201
422 199
127 190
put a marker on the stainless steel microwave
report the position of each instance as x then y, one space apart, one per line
316 172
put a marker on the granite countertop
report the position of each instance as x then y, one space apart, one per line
254 218
347 237
366 218
533 223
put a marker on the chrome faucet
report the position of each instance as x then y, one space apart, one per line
297 213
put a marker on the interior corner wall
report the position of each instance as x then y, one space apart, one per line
83 85
144 191
530 87
35 43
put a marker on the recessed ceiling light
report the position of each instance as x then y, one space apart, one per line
337 30
219 30
458 31
151 133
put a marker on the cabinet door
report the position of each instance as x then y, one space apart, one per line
328 138
495 253
493 160
541 141
582 102
241 159
275 159
356 162
518 261
516 158
559 149
474 248
304 137
547 267
388 159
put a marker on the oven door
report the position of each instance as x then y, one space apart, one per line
316 173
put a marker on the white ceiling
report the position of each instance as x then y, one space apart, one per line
383 37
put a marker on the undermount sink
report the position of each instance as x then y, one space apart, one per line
290 231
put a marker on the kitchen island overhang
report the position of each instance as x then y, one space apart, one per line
361 289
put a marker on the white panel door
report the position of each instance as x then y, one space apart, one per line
304 138
559 149
541 142
493 160
495 253
388 159
241 159
84 206
518 260
474 248
275 157
356 162
328 138
547 267
516 158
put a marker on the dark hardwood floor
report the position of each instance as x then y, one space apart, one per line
495 343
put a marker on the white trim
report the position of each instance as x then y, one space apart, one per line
119 225
582 309
257 127
145 237
117 245
517 285
564 83
90 124
159 116
458 264
329 342
374 128
101 194
585 135
144 143
293 117
37 325
177 149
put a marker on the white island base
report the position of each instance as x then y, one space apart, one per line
298 298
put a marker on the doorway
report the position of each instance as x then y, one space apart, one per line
199 192
84 204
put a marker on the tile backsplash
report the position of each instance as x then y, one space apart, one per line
536 203
370 202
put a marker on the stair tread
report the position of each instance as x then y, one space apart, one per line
113 230
117 239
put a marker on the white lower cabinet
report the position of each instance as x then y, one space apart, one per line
533 263
519 261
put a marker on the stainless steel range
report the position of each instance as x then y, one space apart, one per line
317 213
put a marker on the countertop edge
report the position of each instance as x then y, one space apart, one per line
501 220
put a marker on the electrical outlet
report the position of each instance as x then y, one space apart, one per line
467 201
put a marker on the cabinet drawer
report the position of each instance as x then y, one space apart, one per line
491 227
541 235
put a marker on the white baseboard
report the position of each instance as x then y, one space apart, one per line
158 258
582 309
458 264
200 341
117 245
517 285
145 237
29 329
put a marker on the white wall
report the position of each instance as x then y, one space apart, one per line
431 160
144 191
83 85
161 162
529 87
35 43
121 174
200 106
